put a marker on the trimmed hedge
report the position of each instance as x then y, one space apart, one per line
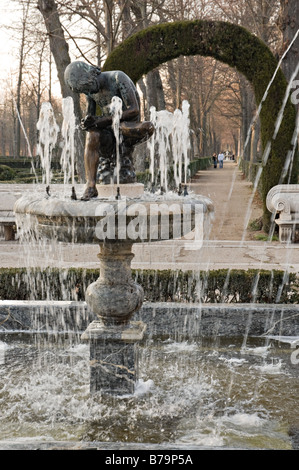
194 166
216 286
19 170
16 162
6 173
199 164
235 46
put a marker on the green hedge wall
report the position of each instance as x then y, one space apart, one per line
194 166
235 46
19 170
159 286
199 164
16 162
6 173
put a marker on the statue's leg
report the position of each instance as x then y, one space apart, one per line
127 172
91 161
107 153
133 134
137 131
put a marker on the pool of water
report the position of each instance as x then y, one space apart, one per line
207 393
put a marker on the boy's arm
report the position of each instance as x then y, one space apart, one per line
91 106
128 95
91 121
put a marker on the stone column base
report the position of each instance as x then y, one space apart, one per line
113 356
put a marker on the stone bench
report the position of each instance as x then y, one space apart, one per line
9 193
7 221
7 216
283 200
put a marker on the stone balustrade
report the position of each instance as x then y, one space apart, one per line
283 201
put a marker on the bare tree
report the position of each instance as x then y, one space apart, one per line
90 29
259 17
22 53
289 25
60 51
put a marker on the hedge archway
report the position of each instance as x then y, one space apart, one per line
238 48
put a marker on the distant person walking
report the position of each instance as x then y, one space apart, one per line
214 160
220 159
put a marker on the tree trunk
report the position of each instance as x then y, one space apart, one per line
255 136
154 91
108 4
58 44
154 88
18 103
248 106
204 126
20 78
172 81
289 24
60 51
180 67
236 143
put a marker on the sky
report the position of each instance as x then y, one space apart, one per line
10 15
8 57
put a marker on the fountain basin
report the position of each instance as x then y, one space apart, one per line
149 217
207 381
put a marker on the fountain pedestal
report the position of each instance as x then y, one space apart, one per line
113 356
113 338
114 296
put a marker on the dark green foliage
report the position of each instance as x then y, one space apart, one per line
235 46
21 170
143 177
6 173
16 162
159 286
194 166
199 164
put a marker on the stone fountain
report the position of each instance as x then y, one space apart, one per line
205 391
115 214
115 224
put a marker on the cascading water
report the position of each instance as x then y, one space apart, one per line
287 169
210 397
49 252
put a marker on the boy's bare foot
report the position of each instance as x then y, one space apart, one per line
89 193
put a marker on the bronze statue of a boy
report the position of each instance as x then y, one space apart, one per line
100 148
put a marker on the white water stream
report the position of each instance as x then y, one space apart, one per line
116 112
68 135
170 145
48 133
